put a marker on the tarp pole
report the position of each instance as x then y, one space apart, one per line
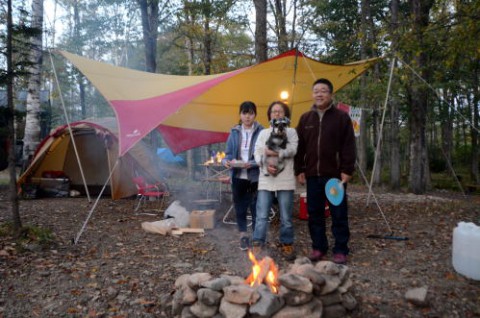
294 81
77 238
69 128
377 149
374 198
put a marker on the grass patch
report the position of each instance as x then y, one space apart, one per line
30 234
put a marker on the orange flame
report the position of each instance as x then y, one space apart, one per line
264 271
216 159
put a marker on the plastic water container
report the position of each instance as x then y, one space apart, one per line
466 250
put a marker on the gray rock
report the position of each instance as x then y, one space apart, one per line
417 296
308 271
348 301
327 267
294 297
331 283
296 282
345 286
181 280
231 310
331 299
313 309
195 280
217 284
186 313
268 304
234 280
240 294
209 297
189 295
302 260
203 311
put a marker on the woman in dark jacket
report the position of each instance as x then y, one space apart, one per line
244 170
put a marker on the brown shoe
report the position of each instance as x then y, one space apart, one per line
288 252
256 248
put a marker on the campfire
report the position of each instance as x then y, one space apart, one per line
216 158
305 289
265 271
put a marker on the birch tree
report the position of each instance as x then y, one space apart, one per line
32 121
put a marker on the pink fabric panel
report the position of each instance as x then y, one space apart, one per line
344 107
181 139
136 118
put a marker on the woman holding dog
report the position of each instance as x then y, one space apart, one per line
244 170
276 179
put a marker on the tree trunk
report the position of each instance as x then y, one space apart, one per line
17 223
418 116
279 8
150 18
362 139
207 59
378 158
446 130
190 55
395 172
475 129
78 50
32 120
260 30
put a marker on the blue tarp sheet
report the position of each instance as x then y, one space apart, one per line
167 155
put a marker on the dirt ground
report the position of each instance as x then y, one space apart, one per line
119 270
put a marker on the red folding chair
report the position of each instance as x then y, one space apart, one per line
147 192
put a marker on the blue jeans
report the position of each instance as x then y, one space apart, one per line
264 204
316 217
244 195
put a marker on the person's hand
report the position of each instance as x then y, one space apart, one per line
345 177
270 153
272 170
227 164
248 165
301 178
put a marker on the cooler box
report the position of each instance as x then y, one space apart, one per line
303 211
52 187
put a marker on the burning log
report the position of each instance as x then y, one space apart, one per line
265 271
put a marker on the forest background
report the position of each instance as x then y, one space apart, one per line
430 56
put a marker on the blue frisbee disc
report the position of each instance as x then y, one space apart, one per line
334 191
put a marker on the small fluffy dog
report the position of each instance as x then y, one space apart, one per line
276 141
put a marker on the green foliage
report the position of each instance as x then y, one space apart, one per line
30 234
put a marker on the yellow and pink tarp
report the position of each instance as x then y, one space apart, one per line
192 111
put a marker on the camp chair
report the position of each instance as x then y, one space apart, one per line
147 192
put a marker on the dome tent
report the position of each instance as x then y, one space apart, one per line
97 144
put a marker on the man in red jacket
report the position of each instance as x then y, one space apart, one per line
326 149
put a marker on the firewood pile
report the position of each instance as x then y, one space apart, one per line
304 290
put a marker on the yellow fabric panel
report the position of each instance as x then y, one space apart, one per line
216 109
262 84
54 157
119 83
